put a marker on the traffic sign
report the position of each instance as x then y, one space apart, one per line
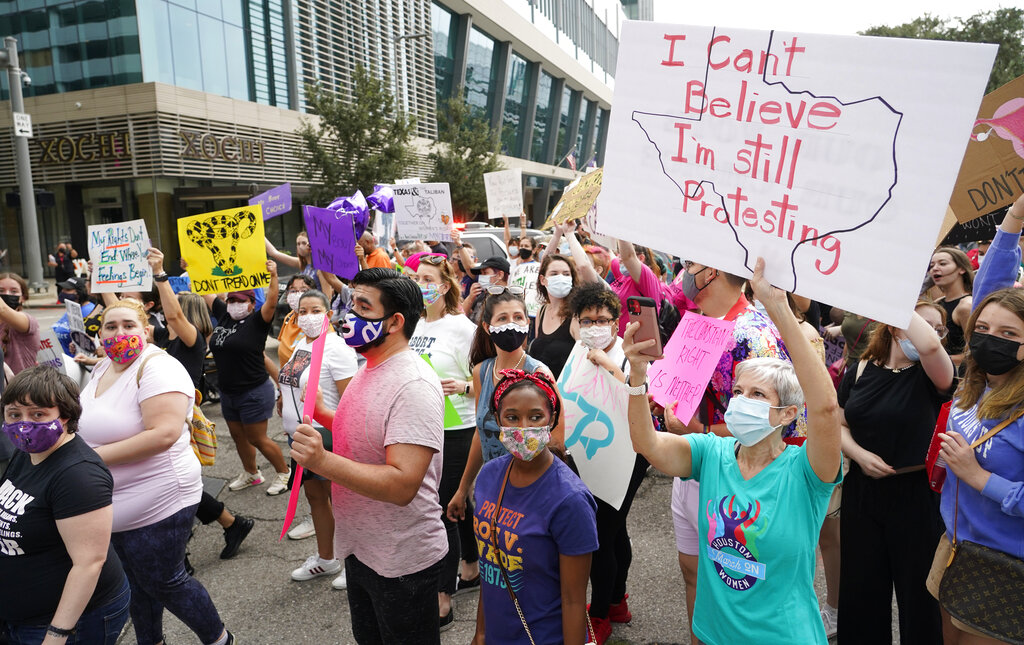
22 125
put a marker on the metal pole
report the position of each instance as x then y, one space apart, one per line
33 260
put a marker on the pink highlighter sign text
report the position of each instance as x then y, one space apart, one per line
690 358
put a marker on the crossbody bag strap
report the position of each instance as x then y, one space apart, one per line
497 554
988 435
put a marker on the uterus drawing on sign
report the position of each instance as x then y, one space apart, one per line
220 235
426 209
1007 122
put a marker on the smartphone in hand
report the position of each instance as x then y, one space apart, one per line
644 311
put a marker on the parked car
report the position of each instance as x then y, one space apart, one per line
489 241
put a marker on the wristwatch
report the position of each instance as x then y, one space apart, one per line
160 277
467 388
636 390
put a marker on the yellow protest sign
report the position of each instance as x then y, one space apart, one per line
578 198
225 250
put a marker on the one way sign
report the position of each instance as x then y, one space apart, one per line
22 125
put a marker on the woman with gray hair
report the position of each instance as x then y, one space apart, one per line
763 501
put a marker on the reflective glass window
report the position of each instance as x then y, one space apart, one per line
155 41
443 26
515 105
583 146
542 120
185 38
238 73
480 72
565 115
211 43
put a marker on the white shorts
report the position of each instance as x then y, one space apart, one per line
685 513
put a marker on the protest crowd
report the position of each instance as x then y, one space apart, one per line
470 422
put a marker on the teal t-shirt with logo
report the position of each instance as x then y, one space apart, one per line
755 574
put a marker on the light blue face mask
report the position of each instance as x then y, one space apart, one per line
909 350
747 419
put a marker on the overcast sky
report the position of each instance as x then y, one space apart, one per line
816 16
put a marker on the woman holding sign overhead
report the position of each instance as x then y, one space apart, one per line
762 501
443 337
247 399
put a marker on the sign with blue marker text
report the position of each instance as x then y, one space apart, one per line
833 157
424 212
118 257
276 201
595 409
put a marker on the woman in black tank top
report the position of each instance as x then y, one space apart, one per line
552 331
950 269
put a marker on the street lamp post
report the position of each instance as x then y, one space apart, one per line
33 259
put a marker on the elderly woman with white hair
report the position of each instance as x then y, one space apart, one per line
762 500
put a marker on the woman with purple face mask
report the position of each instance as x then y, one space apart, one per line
247 398
135 416
56 540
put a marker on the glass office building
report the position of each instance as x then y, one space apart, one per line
164 108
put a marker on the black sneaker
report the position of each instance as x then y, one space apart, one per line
448 621
463 586
234 534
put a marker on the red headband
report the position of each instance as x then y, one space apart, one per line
541 380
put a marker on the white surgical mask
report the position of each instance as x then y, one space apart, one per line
596 336
513 251
311 324
559 286
293 299
484 281
238 310
747 419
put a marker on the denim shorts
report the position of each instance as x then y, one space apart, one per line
251 406
308 474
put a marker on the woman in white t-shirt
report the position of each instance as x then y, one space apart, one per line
443 337
338 367
135 416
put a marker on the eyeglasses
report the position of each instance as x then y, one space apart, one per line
941 331
600 322
497 290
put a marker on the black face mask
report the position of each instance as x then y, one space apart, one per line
994 355
524 254
510 336
73 297
12 300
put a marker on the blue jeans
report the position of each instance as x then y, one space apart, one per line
154 560
101 626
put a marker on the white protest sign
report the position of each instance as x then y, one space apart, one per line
423 212
74 313
117 254
504 193
594 406
50 352
831 156
525 276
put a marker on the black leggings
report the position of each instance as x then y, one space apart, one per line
609 567
461 541
209 508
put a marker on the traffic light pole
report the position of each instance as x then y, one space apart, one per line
32 261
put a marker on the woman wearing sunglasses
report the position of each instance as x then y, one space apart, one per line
890 402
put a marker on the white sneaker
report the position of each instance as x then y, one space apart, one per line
831 621
245 480
341 582
314 567
303 529
280 484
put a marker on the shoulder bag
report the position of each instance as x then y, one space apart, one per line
982 587
202 431
592 640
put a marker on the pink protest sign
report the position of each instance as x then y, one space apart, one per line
308 407
690 358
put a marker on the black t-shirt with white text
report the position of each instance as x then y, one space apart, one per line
237 347
191 357
34 561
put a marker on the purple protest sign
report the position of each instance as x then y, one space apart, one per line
690 358
332 238
276 201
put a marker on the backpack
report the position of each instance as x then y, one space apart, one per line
668 320
202 431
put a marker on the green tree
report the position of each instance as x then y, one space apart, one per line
1004 27
359 140
466 148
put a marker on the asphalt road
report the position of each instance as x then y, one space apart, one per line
261 605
